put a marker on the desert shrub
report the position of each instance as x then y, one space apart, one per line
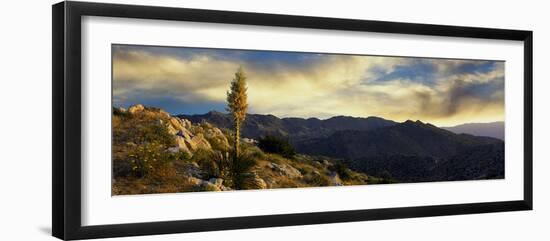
121 168
141 129
385 175
254 151
200 155
228 134
240 169
317 180
210 168
180 155
157 134
218 142
214 163
273 144
380 181
303 170
153 109
139 144
164 180
147 157
343 171
120 113
223 163
204 159
275 158
209 188
197 129
385 178
288 183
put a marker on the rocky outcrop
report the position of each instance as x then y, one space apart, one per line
189 138
119 110
198 142
136 109
176 124
181 146
216 138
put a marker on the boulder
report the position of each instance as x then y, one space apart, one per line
136 109
253 181
270 182
186 123
119 110
191 170
285 170
198 142
180 144
185 134
224 188
214 184
171 129
250 141
164 114
173 149
177 123
208 186
195 181
216 137
214 132
216 181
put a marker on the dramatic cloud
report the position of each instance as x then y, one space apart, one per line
191 80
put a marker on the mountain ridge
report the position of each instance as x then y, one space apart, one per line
295 128
413 151
268 124
492 129
409 151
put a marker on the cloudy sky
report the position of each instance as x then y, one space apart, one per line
194 81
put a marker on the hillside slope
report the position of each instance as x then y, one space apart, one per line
413 151
154 152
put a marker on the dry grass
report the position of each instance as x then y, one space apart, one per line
164 180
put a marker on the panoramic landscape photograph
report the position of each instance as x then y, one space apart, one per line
188 119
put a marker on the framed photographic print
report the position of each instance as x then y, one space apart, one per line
169 120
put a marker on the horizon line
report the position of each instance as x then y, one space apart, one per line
313 117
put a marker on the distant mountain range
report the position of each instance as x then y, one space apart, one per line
411 151
296 129
493 129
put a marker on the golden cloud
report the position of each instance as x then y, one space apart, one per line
333 85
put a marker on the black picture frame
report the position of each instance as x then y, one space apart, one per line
66 75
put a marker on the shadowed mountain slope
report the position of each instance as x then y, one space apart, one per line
493 129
